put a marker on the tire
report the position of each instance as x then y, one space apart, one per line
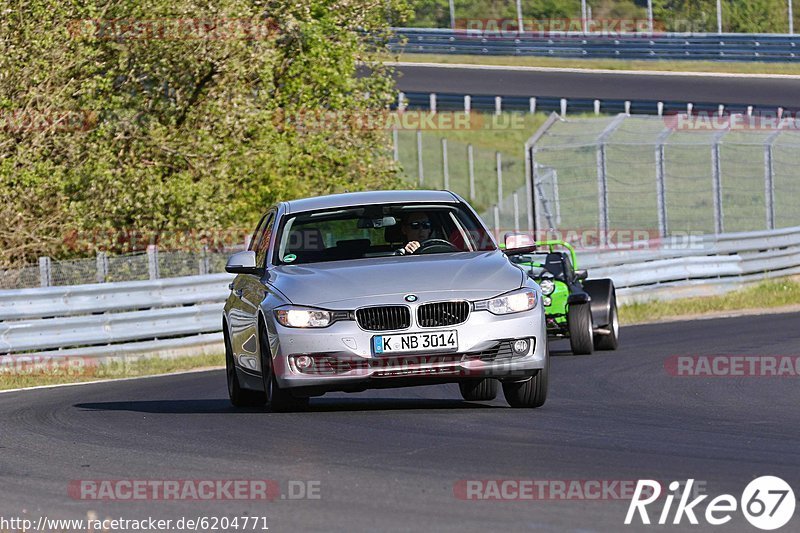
279 400
478 390
581 331
610 341
531 393
238 396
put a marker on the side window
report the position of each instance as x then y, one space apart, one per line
251 246
264 238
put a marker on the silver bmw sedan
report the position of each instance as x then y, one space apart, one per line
367 290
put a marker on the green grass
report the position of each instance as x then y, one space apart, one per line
768 294
77 370
610 64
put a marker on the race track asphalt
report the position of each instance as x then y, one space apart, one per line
757 91
389 460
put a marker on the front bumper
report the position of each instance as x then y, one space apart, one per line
344 359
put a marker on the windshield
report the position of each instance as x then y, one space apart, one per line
379 231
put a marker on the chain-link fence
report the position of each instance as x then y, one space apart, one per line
152 264
666 175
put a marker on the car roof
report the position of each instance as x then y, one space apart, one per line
334 201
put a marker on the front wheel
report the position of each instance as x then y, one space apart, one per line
478 390
581 331
239 396
280 400
531 393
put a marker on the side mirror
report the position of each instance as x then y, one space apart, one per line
243 263
581 275
518 243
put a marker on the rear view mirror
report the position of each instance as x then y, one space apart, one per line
376 223
518 243
242 263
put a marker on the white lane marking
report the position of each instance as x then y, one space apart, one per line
594 71
60 385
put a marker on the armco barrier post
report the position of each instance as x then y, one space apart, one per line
661 191
498 105
467 103
432 102
45 272
716 175
152 261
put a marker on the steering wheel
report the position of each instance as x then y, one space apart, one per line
433 246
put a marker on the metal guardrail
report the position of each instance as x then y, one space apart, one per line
727 47
165 316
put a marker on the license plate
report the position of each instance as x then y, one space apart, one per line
415 342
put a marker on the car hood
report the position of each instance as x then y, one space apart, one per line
349 284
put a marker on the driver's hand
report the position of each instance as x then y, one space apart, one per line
411 247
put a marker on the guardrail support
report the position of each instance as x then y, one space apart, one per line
498 105
45 272
532 104
401 101
152 261
467 103
597 107
432 102
563 107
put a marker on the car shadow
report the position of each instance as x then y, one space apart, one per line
223 406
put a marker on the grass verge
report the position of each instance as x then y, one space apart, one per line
22 373
765 295
727 67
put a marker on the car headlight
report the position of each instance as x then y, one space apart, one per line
294 317
548 286
515 302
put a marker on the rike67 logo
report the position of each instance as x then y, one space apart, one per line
767 502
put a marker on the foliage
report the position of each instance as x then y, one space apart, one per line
193 130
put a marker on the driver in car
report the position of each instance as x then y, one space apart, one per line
416 228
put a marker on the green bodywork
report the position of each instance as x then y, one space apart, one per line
556 310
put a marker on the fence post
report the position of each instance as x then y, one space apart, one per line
401 101
496 212
515 197
661 195
420 169
498 105
205 263
152 261
498 159
467 103
395 144
716 172
597 107
432 102
102 267
532 104
602 191
45 272
445 169
529 188
471 169
563 107
769 186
